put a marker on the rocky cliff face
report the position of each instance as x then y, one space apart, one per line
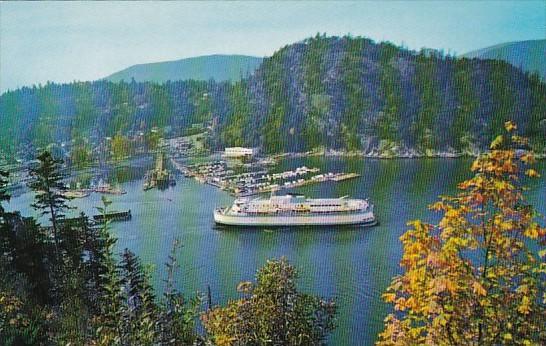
353 94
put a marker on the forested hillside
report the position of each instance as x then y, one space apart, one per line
338 93
86 114
354 94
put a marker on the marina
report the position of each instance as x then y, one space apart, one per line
249 183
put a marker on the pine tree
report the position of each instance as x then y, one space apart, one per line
273 312
177 315
48 186
24 281
23 248
98 246
139 312
5 247
107 323
4 197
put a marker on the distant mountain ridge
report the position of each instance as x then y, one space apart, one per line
528 55
219 67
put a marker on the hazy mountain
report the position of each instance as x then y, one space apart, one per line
528 55
217 67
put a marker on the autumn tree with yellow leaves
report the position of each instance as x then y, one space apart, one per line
478 277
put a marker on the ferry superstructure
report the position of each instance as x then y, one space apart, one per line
296 210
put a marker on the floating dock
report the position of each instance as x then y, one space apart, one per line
113 216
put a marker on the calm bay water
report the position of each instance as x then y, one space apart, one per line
354 265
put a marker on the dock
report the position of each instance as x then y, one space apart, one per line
108 190
113 216
248 183
78 221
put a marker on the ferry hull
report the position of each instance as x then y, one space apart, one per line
367 219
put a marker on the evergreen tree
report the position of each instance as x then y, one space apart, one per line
71 325
467 104
24 282
49 188
177 315
4 227
24 249
273 312
317 98
356 100
139 311
239 117
388 122
107 323
98 246
4 197
426 81
30 256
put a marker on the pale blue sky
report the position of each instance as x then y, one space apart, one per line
66 41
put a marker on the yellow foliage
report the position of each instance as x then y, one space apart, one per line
510 126
532 231
528 158
478 289
523 289
506 226
532 173
525 306
389 297
460 273
497 142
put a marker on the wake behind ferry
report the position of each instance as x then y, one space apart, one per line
296 210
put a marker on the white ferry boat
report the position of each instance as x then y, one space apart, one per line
296 210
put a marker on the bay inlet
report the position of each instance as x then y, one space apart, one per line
351 264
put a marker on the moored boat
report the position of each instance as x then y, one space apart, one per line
296 210
75 194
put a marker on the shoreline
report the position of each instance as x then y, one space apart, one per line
383 156
410 154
